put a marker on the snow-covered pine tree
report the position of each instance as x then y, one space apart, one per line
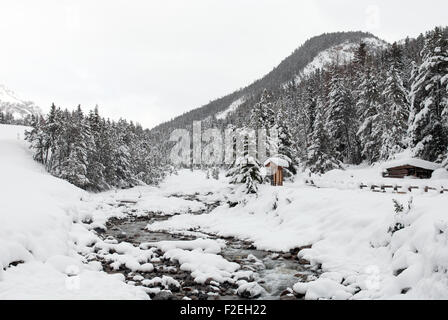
429 100
36 139
395 108
80 143
262 116
309 101
246 169
367 107
319 151
360 57
341 120
123 175
93 153
95 167
285 142
58 134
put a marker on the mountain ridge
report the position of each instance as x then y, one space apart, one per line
286 71
19 109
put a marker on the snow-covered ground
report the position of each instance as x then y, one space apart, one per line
49 247
38 233
353 176
350 234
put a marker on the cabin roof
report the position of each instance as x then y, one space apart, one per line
419 163
277 161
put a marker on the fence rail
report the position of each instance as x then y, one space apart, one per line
395 188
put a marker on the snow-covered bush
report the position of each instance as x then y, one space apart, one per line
400 214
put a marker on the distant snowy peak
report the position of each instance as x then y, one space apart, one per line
18 108
340 54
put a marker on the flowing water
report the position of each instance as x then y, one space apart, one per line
274 271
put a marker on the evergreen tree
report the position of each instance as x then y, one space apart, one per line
395 109
36 139
360 58
368 110
262 114
123 175
285 141
95 167
246 170
319 156
80 144
93 153
429 100
341 120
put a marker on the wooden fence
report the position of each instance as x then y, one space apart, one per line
395 188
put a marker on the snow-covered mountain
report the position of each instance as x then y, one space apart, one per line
317 52
340 54
230 109
18 108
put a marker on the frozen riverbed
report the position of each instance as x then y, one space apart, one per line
256 273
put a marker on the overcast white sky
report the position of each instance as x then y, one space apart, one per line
150 60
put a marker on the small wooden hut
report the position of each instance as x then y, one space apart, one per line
415 168
274 168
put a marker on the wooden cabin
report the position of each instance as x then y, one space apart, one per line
413 168
274 168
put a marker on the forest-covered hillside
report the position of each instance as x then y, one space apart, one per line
385 99
341 98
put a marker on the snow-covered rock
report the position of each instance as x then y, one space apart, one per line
250 290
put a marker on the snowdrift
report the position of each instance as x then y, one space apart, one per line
352 233
39 233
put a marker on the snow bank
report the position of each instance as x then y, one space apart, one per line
350 233
440 174
206 245
200 257
353 176
187 182
203 266
38 233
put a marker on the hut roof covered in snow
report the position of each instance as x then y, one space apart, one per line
277 161
419 163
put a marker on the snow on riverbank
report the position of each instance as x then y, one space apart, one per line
363 247
38 237
350 238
